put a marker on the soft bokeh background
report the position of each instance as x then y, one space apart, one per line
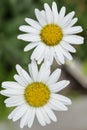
12 15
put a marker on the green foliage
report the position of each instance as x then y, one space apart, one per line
12 14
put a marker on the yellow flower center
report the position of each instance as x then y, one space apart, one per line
37 94
51 34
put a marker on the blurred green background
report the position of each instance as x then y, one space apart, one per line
12 15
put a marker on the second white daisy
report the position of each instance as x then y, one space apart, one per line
52 35
34 94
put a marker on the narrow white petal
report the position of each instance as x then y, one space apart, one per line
12 85
40 18
18 112
59 54
29 37
38 50
14 101
52 106
49 14
31 119
51 55
55 12
29 29
40 117
50 113
61 17
73 39
59 86
30 110
61 98
54 76
61 14
43 15
25 117
72 22
33 23
67 19
44 73
67 46
65 53
19 80
48 121
33 70
58 105
72 30
12 92
57 60
23 73
31 46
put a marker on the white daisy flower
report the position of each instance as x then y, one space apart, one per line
52 35
35 94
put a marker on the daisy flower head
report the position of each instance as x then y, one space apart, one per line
35 94
52 35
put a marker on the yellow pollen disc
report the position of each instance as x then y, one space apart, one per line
51 34
37 94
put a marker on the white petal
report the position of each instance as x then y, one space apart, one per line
62 11
73 21
59 54
25 117
33 69
12 85
50 113
38 52
65 53
19 80
72 30
18 112
48 121
52 106
31 46
61 98
14 101
73 39
49 14
29 29
33 23
67 46
67 19
44 73
23 73
43 15
12 92
40 117
54 76
29 37
40 18
51 55
31 119
55 12
59 86
57 60
61 15
58 105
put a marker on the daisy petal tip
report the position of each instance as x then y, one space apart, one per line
68 82
2 92
25 49
19 37
70 102
9 117
26 19
17 66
